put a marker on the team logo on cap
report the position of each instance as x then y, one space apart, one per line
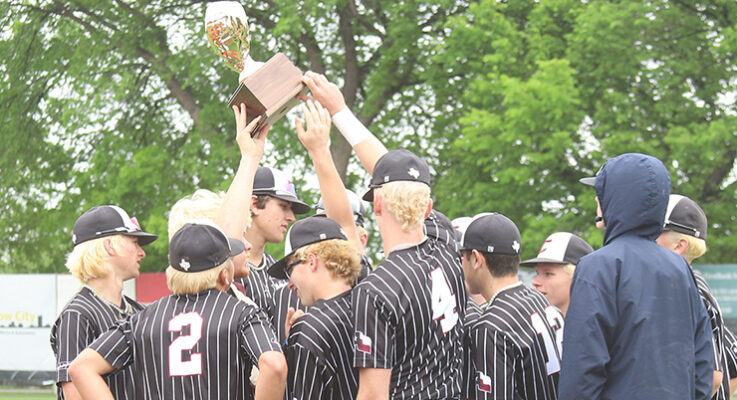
515 246
414 173
363 343
484 382
184 264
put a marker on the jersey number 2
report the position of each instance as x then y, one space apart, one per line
443 301
552 349
177 365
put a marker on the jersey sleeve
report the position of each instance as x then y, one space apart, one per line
730 350
115 345
306 374
257 334
374 332
73 334
495 361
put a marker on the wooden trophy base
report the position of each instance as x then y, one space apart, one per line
270 92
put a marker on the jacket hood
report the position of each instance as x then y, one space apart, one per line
633 192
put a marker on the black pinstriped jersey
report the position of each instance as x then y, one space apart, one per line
468 388
320 352
408 316
730 349
260 286
717 333
285 298
198 346
515 346
82 320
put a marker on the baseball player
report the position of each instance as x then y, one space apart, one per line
555 262
684 232
315 138
322 265
198 342
514 339
730 347
107 252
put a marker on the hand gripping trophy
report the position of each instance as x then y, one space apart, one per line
268 89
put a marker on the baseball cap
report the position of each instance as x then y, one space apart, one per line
357 205
398 165
492 233
275 183
459 225
108 220
201 245
685 216
302 233
560 248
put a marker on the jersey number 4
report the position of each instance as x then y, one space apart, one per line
552 349
177 365
443 301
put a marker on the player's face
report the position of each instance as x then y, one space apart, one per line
273 220
666 240
240 262
554 282
599 224
300 280
126 260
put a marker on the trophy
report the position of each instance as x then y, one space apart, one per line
268 89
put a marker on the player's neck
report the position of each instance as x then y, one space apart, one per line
564 309
109 287
331 288
258 244
393 237
496 284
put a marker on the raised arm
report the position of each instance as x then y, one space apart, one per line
368 148
233 216
316 140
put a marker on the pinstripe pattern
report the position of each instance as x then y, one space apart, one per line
214 365
730 350
260 286
320 352
473 313
83 319
510 356
717 334
393 315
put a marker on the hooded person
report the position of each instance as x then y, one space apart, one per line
636 327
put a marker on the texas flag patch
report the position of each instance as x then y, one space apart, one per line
484 383
363 343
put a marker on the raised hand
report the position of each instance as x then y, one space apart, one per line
317 135
249 147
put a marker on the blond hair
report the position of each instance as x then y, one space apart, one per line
696 246
202 204
569 268
194 282
339 256
89 259
407 201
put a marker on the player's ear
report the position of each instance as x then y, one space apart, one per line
223 277
254 209
378 204
312 260
478 259
681 246
109 247
429 209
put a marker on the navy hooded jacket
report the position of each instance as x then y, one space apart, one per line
636 327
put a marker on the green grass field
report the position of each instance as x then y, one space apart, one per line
25 395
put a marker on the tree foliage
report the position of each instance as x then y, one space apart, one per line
123 102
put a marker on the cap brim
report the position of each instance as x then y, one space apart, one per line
531 262
236 246
589 181
369 196
144 238
277 269
298 207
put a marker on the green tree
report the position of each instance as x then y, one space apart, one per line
544 92
123 102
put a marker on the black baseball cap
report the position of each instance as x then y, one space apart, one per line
685 216
492 233
275 183
560 248
101 221
199 246
357 205
302 233
398 165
